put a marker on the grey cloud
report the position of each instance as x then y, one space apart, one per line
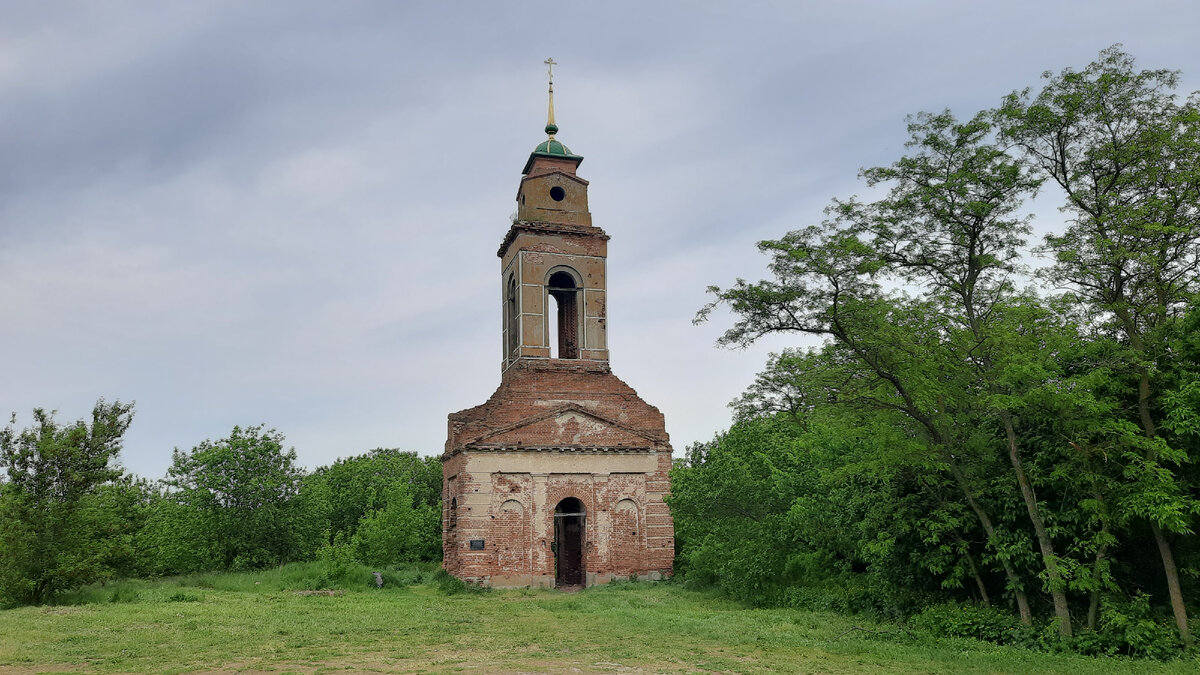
288 213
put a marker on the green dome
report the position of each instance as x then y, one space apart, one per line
551 148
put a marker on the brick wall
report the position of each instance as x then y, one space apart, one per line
555 429
627 525
551 431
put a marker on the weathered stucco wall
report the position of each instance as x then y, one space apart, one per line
507 500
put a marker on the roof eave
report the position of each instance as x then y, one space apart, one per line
529 163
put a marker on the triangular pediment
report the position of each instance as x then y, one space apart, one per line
566 426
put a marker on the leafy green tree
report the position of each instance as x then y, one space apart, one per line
948 225
731 508
240 501
122 508
1126 154
402 531
794 383
57 531
824 513
177 538
359 485
1065 425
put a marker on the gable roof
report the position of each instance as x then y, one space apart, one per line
568 425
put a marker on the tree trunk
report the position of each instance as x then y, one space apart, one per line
983 594
1094 600
910 408
1057 587
1164 547
1164 550
1014 581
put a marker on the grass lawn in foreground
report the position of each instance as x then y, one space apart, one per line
254 623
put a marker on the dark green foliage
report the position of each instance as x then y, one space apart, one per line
451 585
1126 153
401 532
972 621
355 486
776 513
384 506
176 539
242 503
1023 453
66 516
337 561
732 513
399 576
123 593
1132 628
1129 629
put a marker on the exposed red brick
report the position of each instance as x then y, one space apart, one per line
556 429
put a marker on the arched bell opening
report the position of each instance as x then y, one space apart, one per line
563 285
569 529
511 325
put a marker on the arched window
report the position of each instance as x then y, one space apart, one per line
510 315
565 289
453 519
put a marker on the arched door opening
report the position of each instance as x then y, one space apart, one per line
569 520
562 287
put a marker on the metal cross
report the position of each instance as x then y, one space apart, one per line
550 68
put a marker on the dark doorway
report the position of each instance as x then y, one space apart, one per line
568 543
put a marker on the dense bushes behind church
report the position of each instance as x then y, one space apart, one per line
381 507
776 513
841 513
378 508
71 516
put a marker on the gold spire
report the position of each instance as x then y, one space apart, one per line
551 127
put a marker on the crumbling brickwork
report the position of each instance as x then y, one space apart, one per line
559 478
554 430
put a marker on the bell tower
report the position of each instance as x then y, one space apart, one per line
558 479
553 261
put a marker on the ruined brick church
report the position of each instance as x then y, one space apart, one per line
558 479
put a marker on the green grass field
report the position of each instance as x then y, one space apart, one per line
259 623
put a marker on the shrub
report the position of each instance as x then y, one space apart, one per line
336 560
970 621
1131 628
402 531
448 584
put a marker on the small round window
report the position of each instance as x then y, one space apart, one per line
557 193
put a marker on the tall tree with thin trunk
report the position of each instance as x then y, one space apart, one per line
1126 153
949 225
825 284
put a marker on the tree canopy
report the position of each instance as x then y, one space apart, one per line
1048 419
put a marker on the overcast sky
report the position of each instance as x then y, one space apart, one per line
287 213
